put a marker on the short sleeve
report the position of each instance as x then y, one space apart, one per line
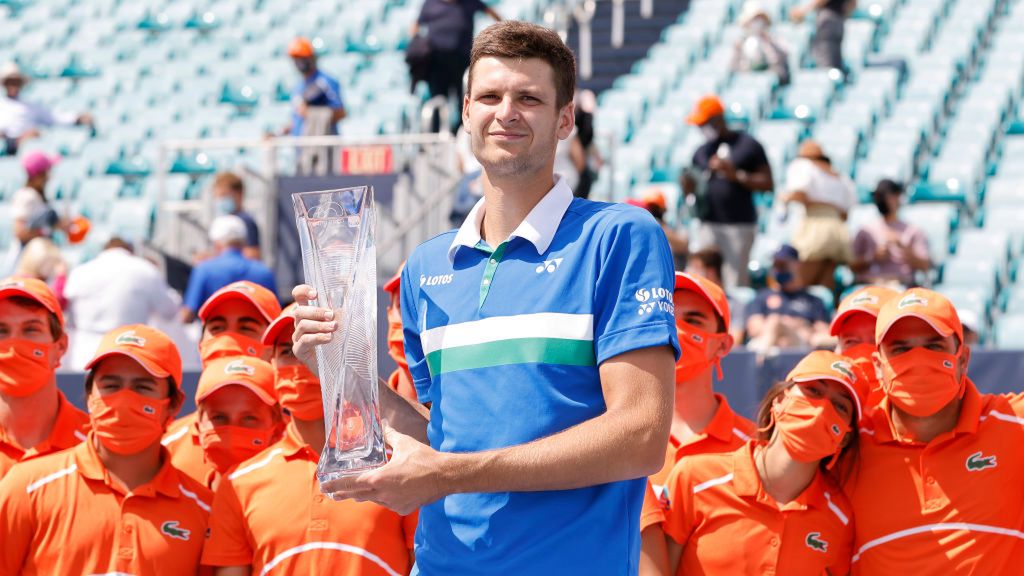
653 512
227 543
798 176
850 189
757 159
334 99
633 294
678 523
411 331
409 523
17 522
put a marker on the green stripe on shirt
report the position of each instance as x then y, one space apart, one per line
517 351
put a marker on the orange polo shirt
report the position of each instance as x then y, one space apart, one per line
727 524
726 432
270 514
69 429
952 506
62 514
182 441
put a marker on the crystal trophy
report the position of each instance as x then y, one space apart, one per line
339 260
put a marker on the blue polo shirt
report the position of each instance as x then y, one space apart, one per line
317 90
213 274
505 342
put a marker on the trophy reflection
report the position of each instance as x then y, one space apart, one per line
336 232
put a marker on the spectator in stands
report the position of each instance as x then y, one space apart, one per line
702 421
707 263
30 210
20 120
316 98
35 417
653 201
775 503
229 196
97 305
586 105
449 30
228 235
261 513
570 160
827 197
889 251
114 502
786 315
939 458
726 171
756 50
826 48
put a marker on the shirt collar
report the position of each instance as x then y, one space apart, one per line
724 421
538 227
67 430
293 447
884 430
167 480
747 483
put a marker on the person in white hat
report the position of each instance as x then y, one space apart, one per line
756 50
20 120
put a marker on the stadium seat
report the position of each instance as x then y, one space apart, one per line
97 195
1009 332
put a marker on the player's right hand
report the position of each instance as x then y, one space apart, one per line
313 326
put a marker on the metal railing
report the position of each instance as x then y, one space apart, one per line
421 203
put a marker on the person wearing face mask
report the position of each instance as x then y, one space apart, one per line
786 315
702 421
756 50
854 329
938 487
889 250
262 515
726 171
35 417
227 233
229 198
114 504
234 320
238 413
315 91
774 506
400 380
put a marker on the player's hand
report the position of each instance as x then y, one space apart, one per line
313 326
409 481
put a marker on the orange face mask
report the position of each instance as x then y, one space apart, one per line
693 359
125 422
228 344
228 446
298 390
24 367
810 428
921 382
867 376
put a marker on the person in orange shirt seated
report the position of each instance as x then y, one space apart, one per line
269 515
702 422
238 413
233 319
774 506
35 417
938 490
854 328
114 504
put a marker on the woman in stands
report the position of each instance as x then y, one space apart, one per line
821 237
774 505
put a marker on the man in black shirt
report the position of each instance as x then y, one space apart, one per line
725 173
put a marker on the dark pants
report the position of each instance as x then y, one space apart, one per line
828 40
445 75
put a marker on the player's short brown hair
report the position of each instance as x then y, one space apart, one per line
522 40
229 180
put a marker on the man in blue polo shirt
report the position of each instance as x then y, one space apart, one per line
542 335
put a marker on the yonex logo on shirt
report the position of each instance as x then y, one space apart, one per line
171 529
654 299
436 280
814 542
129 338
549 266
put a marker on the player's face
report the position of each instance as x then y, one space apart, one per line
235 406
238 316
511 116
118 373
856 329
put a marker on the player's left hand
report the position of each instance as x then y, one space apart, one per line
409 481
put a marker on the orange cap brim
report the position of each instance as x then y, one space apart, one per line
842 316
146 364
273 332
940 327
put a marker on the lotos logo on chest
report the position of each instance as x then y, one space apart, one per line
814 542
436 280
172 529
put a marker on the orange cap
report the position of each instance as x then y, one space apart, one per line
711 292
300 48
151 348
827 365
932 307
252 373
263 299
32 289
285 321
867 300
706 108
78 229
655 197
393 284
